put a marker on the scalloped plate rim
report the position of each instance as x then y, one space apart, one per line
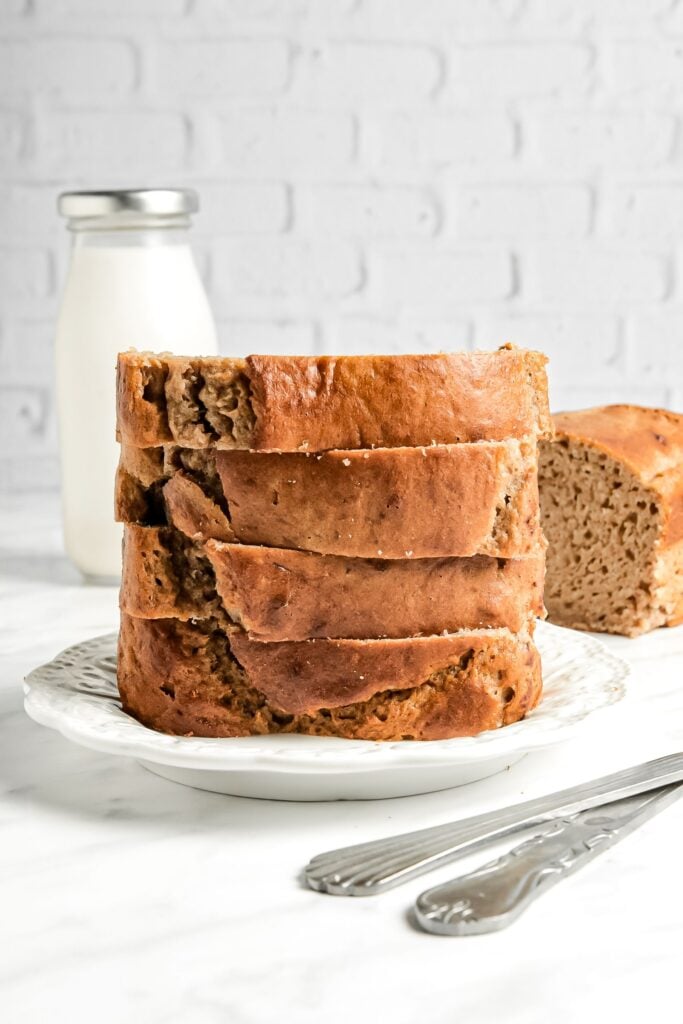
53 704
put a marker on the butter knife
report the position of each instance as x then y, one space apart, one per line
493 896
369 868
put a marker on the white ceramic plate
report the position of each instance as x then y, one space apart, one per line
76 694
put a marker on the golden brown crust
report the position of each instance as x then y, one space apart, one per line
456 500
440 501
277 594
396 401
181 678
289 403
648 441
306 675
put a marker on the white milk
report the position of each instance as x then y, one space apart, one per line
125 289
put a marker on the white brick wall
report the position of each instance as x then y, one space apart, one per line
376 174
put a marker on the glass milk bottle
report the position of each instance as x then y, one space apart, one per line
132 283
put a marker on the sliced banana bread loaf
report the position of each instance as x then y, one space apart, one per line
300 403
612 503
279 594
195 679
444 500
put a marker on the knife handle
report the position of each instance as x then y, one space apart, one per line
493 896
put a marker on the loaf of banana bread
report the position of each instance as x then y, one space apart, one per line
612 499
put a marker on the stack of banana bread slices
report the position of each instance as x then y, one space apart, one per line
340 546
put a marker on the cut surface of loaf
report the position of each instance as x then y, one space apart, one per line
612 504
315 403
443 500
278 594
195 679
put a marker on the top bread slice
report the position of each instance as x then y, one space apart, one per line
316 403
611 488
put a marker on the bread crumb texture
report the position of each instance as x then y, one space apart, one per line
611 488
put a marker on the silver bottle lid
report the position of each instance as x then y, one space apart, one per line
159 202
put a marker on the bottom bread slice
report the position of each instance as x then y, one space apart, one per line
194 678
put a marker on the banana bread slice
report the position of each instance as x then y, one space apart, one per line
194 679
443 500
612 502
301 403
279 594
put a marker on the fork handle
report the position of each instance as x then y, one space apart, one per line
493 896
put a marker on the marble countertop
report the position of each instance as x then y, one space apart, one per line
127 898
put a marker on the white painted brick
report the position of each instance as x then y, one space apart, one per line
263 143
568 339
589 278
383 75
231 208
271 337
279 12
25 274
24 415
13 8
366 211
647 68
21 474
444 140
108 142
29 211
567 15
582 140
441 278
656 347
672 22
433 19
223 69
26 353
580 349
291 268
360 335
621 11
77 68
12 141
587 396
504 72
428 334
110 9
649 212
522 211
